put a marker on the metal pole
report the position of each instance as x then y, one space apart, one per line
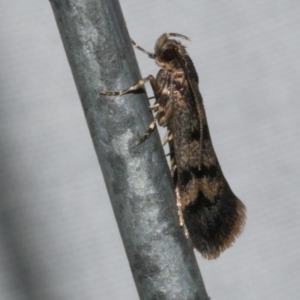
138 181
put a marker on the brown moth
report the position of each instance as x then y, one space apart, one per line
208 209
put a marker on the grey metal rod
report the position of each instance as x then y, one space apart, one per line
137 178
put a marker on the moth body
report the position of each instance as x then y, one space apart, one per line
213 216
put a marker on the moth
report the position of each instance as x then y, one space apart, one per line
210 212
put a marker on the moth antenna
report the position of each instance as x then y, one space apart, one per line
150 54
154 107
178 35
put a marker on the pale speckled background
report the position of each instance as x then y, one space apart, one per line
58 235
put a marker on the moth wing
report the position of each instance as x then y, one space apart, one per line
213 215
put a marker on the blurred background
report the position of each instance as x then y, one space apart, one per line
58 235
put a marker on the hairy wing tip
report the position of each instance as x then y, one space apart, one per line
237 229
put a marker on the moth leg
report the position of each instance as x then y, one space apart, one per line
180 214
173 169
135 87
151 128
168 137
156 89
154 107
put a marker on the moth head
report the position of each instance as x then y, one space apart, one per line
166 50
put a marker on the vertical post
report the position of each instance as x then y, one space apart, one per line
138 181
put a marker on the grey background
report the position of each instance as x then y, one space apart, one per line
58 235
